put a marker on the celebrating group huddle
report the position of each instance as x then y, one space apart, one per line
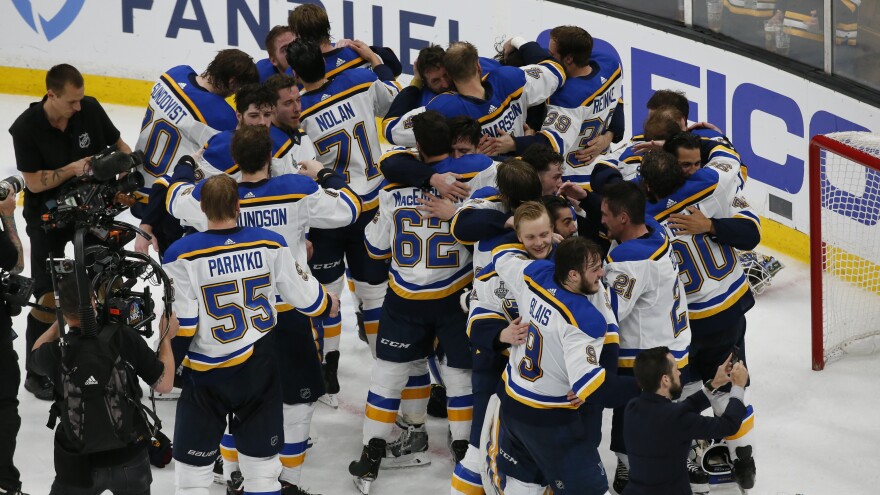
545 275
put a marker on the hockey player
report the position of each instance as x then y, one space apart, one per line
340 118
185 110
487 215
586 113
562 215
557 369
309 22
276 46
548 164
708 221
499 102
428 270
494 324
646 293
255 105
288 205
226 281
296 146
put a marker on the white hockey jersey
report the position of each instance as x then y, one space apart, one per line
340 118
180 118
287 151
565 339
288 204
225 283
712 275
648 297
581 110
426 261
510 91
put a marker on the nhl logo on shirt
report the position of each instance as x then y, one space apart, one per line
560 485
84 140
305 393
274 440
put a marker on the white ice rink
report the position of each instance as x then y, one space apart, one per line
816 433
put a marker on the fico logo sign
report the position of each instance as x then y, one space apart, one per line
53 26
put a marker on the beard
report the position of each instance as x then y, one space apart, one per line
675 391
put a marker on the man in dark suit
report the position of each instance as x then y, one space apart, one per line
658 432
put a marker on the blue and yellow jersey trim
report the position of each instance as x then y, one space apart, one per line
659 253
212 251
681 205
602 89
536 289
375 252
184 99
357 62
721 302
171 195
436 290
188 326
478 314
354 90
627 357
201 362
501 107
748 215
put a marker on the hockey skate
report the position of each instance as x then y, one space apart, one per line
409 450
366 469
458 448
744 468
235 486
329 368
362 328
288 489
218 471
699 479
621 477
173 395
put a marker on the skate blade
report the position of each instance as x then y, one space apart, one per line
363 485
169 396
219 480
406 461
701 489
329 400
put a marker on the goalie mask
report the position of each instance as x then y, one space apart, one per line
759 269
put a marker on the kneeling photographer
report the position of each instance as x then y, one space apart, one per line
101 442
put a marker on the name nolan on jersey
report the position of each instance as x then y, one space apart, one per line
231 263
335 116
168 103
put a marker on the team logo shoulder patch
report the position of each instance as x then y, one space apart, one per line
534 73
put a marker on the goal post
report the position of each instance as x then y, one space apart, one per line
844 245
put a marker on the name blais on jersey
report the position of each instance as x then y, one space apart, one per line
232 263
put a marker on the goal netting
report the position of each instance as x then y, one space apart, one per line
845 244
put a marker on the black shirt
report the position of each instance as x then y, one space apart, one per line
46 360
39 146
8 260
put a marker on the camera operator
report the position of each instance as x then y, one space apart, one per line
124 470
54 140
11 260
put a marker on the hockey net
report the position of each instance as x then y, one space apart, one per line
845 245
